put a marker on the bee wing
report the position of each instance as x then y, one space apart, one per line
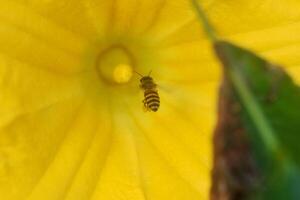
167 90
164 88
145 108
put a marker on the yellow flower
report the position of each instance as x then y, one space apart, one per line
72 124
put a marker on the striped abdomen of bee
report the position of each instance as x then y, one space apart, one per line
151 100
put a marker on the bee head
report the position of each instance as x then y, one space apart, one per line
146 78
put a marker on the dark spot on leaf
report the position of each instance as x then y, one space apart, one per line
235 174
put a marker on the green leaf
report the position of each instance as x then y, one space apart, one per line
268 117
256 141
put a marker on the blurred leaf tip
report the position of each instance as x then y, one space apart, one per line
210 32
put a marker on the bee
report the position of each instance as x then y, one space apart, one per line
151 98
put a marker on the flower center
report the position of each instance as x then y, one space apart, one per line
115 65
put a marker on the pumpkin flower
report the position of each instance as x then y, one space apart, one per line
72 124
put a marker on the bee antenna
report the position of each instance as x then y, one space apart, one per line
150 73
139 74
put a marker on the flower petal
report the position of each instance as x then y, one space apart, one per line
57 180
99 13
176 157
22 29
28 144
68 14
120 178
231 17
46 88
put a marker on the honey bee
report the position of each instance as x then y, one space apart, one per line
151 98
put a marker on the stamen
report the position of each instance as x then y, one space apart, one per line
115 65
122 73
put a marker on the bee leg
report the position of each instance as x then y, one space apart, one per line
145 107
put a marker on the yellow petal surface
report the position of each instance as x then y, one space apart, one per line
72 123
